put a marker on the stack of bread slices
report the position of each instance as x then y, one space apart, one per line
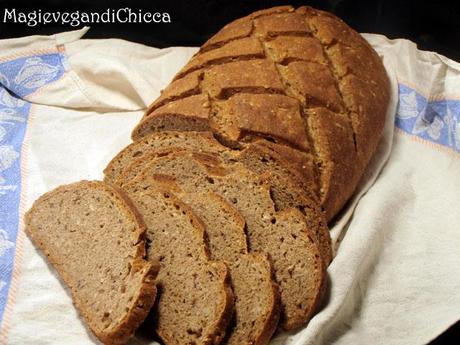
236 242
214 219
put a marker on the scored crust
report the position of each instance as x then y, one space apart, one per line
300 77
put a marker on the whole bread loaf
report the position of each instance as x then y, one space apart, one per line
94 238
298 77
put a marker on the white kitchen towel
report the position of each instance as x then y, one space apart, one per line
67 106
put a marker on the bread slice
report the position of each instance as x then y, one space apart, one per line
159 141
284 235
256 296
257 304
289 186
195 302
94 238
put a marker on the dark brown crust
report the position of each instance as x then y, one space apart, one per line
176 90
149 270
365 103
244 48
336 69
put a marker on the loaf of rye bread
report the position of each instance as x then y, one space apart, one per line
283 235
299 77
276 118
94 238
